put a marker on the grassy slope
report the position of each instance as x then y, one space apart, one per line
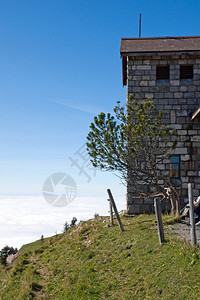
94 262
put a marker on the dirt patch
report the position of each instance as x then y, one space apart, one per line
182 231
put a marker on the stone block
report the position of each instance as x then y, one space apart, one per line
174 77
177 107
133 209
183 138
195 145
173 101
139 201
182 132
145 77
195 192
197 82
185 157
143 83
144 67
192 132
191 88
149 95
191 101
174 89
180 144
130 61
175 82
133 67
149 201
182 62
184 106
160 182
164 88
163 62
138 73
178 95
195 138
161 166
192 173
189 95
145 89
173 116
182 113
174 72
183 173
176 126
152 83
159 95
183 102
185 185
162 101
155 62
137 62
146 209
146 62
184 179
137 89
180 151
168 95
164 173
183 88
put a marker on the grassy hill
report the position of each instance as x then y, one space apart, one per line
94 261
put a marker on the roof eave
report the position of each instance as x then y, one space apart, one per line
152 53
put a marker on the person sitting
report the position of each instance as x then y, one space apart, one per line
185 210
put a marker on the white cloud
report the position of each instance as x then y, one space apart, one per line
86 108
24 219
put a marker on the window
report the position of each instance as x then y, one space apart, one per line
162 72
175 166
186 72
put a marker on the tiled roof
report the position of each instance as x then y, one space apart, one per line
159 44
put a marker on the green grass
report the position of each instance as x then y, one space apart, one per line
92 261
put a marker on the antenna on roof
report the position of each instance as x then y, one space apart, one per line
140 27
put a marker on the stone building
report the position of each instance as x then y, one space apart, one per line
168 71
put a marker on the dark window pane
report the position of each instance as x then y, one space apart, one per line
162 72
186 72
175 166
174 159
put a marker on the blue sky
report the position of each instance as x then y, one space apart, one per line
59 66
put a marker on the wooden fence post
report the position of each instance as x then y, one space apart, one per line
111 212
159 220
191 211
115 209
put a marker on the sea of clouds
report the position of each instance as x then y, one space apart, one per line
23 219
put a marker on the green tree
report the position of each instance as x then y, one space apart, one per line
134 141
68 226
73 222
5 252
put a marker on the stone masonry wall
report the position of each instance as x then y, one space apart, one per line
178 99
